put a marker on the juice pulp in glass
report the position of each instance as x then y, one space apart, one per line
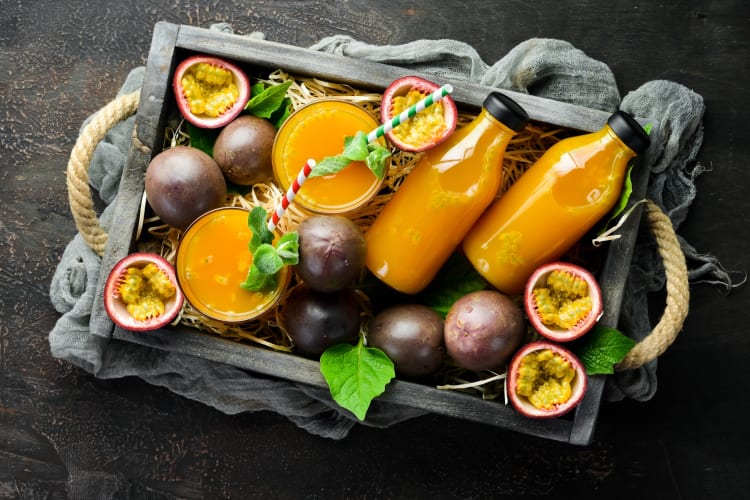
548 209
213 258
316 131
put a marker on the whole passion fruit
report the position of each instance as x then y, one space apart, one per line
562 301
427 128
331 252
183 183
210 91
141 292
412 337
483 329
243 150
545 380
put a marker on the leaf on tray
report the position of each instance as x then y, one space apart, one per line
602 348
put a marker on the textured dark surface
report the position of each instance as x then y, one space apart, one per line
65 434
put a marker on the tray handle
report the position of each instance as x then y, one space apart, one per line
652 346
77 173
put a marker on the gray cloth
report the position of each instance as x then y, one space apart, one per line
548 68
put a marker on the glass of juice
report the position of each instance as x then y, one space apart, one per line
315 131
212 260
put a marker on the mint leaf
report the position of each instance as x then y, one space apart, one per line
288 248
265 103
267 260
454 280
329 165
602 348
202 138
376 160
280 115
355 148
356 374
257 223
257 281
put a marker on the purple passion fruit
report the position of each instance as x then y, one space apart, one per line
317 320
562 301
483 329
412 337
426 129
210 91
545 380
243 150
331 252
141 293
183 183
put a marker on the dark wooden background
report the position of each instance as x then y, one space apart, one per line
65 434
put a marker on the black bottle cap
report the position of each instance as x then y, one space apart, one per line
629 131
506 111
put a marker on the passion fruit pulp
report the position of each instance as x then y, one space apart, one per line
562 301
426 129
141 293
545 380
210 91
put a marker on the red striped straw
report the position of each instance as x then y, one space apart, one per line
372 136
290 194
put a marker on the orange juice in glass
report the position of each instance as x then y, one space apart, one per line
212 261
316 131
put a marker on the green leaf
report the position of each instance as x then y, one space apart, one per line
376 161
280 115
455 279
355 148
288 248
202 138
267 260
602 348
329 165
257 222
265 103
356 374
257 281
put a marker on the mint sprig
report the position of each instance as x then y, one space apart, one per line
356 374
268 259
602 348
270 102
356 148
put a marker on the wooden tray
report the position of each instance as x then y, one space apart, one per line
170 44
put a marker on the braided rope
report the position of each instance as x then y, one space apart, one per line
79 193
648 349
678 293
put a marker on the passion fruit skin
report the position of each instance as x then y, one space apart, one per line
401 87
115 306
585 324
182 183
332 252
317 320
240 78
243 150
412 337
522 405
483 329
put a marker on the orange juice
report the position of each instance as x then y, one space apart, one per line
557 201
441 198
316 131
213 258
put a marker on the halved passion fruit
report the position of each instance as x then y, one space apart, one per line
426 129
545 380
141 293
563 301
210 91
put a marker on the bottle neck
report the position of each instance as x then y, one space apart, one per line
614 139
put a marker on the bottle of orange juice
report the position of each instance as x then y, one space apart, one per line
441 198
551 206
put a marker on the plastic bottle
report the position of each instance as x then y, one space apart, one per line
441 198
551 206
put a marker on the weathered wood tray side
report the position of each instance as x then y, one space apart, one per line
170 40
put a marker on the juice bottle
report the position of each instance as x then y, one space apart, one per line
441 198
551 206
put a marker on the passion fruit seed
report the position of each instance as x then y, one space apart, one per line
564 301
545 379
425 128
144 291
209 89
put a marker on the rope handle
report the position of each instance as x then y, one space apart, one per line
648 349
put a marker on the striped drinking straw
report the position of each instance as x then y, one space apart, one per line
374 135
